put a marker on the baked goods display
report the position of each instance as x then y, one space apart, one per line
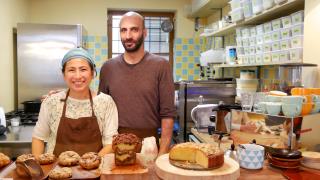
24 157
205 155
90 160
4 160
47 158
60 173
125 147
68 158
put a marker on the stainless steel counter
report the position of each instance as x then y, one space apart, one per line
16 141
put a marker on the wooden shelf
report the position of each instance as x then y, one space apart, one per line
286 63
207 7
275 12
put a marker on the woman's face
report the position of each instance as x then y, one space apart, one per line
78 75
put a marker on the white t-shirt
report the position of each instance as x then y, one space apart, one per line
51 111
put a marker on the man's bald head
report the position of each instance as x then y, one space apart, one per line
132 14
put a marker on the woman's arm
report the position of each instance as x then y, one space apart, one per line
37 146
105 150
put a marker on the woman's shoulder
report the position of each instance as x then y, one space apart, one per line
102 98
54 98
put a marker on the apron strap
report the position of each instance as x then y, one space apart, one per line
65 104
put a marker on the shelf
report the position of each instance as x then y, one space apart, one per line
275 12
287 63
207 7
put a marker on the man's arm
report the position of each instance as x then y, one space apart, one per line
166 135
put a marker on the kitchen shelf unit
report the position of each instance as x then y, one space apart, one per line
275 12
204 8
286 63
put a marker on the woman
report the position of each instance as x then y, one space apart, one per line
76 119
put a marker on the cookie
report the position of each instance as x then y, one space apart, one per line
61 173
90 160
25 157
4 160
47 158
69 158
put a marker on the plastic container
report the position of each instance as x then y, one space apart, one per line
244 90
259 29
285 33
259 58
235 4
252 41
246 59
252 59
240 59
259 39
267 4
240 50
247 8
267 47
245 32
275 46
297 17
286 21
279 1
284 55
297 41
297 29
285 44
259 48
238 32
257 6
245 42
253 31
276 35
252 49
267 37
266 57
296 54
276 24
275 56
237 14
267 27
246 50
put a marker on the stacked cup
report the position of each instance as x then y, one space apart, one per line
316 100
273 104
292 105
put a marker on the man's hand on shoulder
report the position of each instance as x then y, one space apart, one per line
51 92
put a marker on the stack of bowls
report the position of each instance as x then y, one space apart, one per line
311 159
292 105
246 85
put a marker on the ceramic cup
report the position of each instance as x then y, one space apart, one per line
273 108
293 99
307 108
272 98
316 108
251 156
291 110
262 107
315 98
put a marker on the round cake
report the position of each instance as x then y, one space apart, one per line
4 160
61 173
208 156
69 158
125 147
47 158
90 160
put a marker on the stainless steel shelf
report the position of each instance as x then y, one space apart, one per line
286 63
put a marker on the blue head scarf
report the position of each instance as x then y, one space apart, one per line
78 53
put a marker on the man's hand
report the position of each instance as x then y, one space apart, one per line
43 97
166 135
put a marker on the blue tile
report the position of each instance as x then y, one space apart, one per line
91 51
184 59
197 47
178 53
185 47
97 45
178 77
191 65
90 38
196 71
178 65
190 53
178 41
104 39
197 59
98 58
190 77
191 41
184 72
104 52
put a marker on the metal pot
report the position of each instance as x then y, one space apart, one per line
32 106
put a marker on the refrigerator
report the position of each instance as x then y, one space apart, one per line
40 49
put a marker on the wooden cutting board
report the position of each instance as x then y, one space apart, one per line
133 172
229 170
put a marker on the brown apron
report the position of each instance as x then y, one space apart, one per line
80 135
141 133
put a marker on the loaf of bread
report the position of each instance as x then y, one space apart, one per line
125 147
205 155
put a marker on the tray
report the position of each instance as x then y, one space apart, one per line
191 166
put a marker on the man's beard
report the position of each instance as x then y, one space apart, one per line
136 46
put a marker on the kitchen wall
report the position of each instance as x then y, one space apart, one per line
11 12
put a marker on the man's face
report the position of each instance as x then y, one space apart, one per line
132 33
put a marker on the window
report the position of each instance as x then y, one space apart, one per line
157 41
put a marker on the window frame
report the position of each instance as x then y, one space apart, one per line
143 13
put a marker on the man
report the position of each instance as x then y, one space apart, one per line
141 85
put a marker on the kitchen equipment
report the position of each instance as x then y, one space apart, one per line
251 156
229 170
32 106
201 116
283 162
212 56
26 118
40 48
2 117
212 91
